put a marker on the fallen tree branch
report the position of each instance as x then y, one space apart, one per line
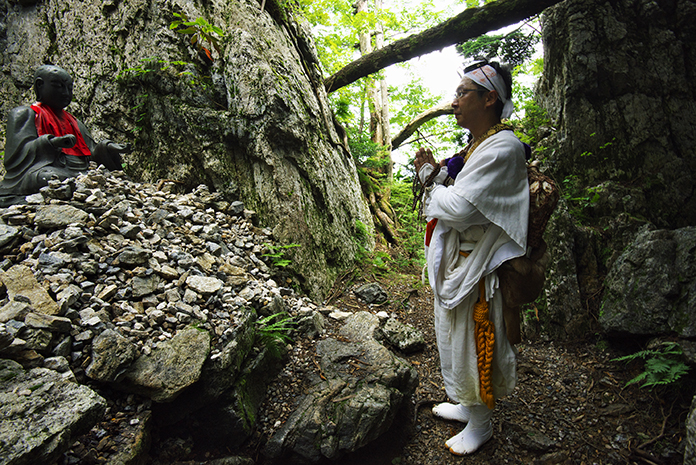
427 115
470 23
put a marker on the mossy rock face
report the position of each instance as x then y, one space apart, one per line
624 150
651 289
255 125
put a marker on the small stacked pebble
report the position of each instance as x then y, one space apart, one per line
107 252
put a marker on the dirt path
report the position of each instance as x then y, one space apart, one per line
570 406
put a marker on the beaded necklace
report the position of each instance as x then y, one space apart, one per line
496 128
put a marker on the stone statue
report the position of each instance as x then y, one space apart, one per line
44 140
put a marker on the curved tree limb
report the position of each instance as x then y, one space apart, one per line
470 23
427 115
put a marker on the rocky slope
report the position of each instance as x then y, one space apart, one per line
164 304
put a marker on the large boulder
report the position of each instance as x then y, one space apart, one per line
651 289
223 403
42 413
112 355
171 367
350 407
254 124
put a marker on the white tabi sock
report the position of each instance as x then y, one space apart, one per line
477 431
456 412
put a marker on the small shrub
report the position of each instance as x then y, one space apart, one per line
200 30
277 252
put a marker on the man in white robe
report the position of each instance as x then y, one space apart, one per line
480 222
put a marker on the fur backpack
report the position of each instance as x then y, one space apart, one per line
522 278
543 198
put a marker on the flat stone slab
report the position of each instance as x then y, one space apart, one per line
42 413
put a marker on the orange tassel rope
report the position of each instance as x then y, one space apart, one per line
485 340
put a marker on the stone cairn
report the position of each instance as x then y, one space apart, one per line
109 283
101 274
101 251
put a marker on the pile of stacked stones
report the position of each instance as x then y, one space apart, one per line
100 251
119 284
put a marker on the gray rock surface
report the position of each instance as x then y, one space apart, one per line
622 147
42 413
651 289
371 293
254 125
112 355
348 409
171 367
404 337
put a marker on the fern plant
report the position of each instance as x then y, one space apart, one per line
277 252
662 366
274 335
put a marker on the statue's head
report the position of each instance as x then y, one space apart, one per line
53 86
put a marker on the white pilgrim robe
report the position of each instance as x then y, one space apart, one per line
484 213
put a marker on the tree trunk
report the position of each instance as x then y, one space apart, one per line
384 104
386 222
378 102
374 102
470 23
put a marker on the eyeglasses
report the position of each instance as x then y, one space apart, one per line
462 92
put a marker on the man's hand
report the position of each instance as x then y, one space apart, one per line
423 156
63 142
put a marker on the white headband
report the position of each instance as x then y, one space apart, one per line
489 78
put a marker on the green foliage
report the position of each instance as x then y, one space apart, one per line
409 101
410 227
277 252
200 30
274 335
365 152
662 366
360 237
154 65
602 345
534 117
336 29
514 48
580 198
140 110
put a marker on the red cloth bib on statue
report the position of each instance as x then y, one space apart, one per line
47 122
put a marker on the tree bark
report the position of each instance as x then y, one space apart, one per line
470 23
427 115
